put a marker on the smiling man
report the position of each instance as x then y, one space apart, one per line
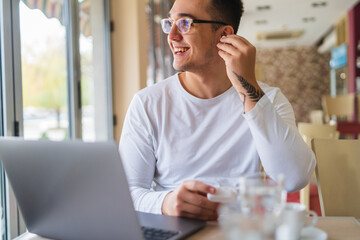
210 120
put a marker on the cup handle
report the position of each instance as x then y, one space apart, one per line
314 219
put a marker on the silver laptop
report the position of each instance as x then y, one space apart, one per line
76 190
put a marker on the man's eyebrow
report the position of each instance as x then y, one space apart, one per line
183 15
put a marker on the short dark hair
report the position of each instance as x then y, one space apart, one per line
227 11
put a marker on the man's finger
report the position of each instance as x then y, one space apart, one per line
224 55
228 48
238 42
236 37
199 201
245 40
196 186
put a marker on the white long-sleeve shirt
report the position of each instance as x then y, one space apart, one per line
170 136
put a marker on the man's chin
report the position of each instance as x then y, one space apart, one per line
180 68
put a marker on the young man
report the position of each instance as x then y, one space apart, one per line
211 120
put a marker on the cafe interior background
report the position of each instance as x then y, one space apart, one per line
69 68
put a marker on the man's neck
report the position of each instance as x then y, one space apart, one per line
205 85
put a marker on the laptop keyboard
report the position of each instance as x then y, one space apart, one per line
157 234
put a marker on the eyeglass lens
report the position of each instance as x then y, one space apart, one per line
182 24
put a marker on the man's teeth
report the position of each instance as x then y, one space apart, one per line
181 49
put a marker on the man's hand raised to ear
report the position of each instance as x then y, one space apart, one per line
239 56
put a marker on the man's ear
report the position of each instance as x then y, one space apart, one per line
227 30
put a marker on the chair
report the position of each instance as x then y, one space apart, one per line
338 175
316 116
343 107
309 131
340 105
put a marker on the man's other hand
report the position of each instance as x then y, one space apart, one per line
189 200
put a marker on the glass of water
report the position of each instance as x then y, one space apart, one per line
256 212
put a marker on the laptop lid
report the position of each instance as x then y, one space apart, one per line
75 190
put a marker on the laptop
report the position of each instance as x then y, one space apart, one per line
76 190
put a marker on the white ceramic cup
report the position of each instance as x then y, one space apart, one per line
293 221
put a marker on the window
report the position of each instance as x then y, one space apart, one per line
160 55
55 83
44 71
63 69
5 114
95 95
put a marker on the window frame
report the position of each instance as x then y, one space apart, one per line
9 84
108 70
1 101
2 173
73 68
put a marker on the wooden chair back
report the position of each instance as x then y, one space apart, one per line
310 130
338 176
340 106
316 116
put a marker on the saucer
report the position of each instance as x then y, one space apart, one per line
312 233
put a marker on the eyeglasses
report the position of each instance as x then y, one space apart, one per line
183 24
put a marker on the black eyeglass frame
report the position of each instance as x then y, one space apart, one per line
208 21
193 20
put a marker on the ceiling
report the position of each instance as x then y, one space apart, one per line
291 15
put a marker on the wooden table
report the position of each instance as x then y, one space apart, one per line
340 227
337 228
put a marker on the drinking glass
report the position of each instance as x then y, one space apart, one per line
256 212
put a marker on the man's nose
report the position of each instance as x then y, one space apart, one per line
174 33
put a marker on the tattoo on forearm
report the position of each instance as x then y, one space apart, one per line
254 94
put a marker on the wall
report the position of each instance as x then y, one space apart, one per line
129 55
302 74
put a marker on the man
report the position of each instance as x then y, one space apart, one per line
211 120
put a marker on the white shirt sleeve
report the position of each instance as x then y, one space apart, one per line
278 142
137 155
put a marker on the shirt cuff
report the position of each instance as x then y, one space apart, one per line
160 200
